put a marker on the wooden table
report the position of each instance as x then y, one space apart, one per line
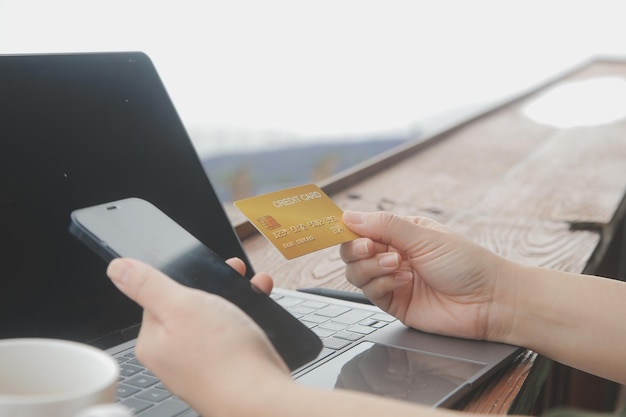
534 193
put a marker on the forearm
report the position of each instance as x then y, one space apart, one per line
293 399
273 394
574 319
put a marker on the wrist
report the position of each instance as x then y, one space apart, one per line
244 395
505 303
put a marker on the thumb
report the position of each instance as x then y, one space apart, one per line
402 233
145 285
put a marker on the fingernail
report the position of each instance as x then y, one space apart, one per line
389 260
403 276
119 271
353 217
361 248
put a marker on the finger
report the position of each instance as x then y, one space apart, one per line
143 284
359 273
356 249
396 231
381 287
360 248
237 264
263 282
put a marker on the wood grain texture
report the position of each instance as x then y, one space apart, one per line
541 243
578 175
500 394
457 172
532 193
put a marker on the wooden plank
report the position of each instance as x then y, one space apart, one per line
541 243
455 174
577 176
510 391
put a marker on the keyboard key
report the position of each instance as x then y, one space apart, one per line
136 406
167 409
349 336
331 325
142 381
334 343
332 311
135 362
309 324
154 395
190 413
288 301
314 318
314 304
301 310
361 329
323 333
127 370
384 317
368 322
125 391
353 316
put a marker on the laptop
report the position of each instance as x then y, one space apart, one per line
82 129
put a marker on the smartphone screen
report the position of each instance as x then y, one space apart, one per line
135 228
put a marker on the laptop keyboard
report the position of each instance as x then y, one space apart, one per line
337 325
142 392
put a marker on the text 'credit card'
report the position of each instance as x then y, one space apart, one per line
297 220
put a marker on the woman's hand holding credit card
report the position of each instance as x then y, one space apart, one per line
297 220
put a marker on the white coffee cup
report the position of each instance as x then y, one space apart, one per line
57 378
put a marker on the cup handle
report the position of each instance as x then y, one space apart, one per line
106 410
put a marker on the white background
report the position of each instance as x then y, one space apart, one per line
310 69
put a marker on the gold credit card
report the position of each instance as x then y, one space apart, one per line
297 220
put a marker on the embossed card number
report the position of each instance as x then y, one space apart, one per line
297 220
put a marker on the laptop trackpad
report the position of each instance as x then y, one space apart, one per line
393 372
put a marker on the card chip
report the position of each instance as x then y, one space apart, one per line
268 222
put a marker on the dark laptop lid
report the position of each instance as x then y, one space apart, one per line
78 130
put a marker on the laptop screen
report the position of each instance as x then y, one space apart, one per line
78 130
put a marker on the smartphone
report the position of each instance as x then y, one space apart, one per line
135 228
